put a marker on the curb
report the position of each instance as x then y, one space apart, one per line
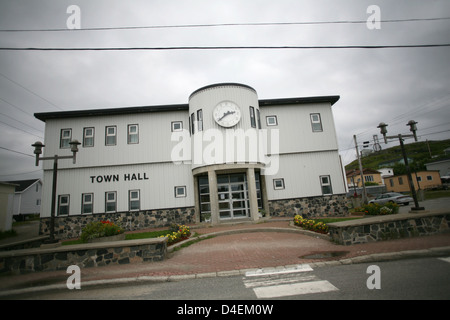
376 257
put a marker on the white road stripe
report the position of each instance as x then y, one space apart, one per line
445 259
270 281
264 272
294 289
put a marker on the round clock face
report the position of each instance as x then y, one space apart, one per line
227 114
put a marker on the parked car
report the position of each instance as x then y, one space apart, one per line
395 197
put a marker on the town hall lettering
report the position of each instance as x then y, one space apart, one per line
116 177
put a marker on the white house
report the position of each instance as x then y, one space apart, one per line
223 156
27 197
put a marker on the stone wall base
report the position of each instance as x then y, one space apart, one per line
323 206
389 227
70 227
83 255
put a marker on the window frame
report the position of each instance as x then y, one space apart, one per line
108 135
192 126
258 118
130 200
315 122
327 184
130 135
88 137
173 128
199 120
184 195
84 202
109 201
252 117
275 187
271 124
60 197
62 139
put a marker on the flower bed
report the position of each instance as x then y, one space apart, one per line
100 229
179 233
312 225
379 209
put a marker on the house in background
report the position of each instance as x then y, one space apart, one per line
370 176
421 179
27 198
6 201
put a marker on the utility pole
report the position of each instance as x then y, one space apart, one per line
364 194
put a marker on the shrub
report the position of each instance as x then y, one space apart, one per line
378 209
100 229
310 224
179 233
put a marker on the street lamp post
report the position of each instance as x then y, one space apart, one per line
37 151
413 128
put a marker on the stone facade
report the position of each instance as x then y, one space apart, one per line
324 206
83 255
388 227
69 227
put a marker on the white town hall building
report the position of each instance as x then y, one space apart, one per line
223 156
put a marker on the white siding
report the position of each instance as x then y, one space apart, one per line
156 186
154 145
294 125
301 174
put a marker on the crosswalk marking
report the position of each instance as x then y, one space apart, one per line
294 289
272 283
447 259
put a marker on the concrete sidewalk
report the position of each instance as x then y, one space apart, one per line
233 250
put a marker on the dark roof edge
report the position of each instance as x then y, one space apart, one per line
43 116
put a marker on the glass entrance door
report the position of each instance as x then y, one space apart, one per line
233 196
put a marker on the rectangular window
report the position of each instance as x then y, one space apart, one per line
252 117
325 183
278 184
180 192
88 137
87 203
400 180
177 126
368 178
429 178
66 136
134 200
316 122
133 133
192 123
419 179
63 205
200 120
110 201
271 121
111 136
258 118
391 182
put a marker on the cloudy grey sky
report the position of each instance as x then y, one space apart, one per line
392 85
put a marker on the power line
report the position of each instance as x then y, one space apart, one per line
25 154
229 48
225 25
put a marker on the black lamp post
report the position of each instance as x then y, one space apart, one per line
413 128
37 151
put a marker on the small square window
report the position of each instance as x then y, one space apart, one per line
111 133
177 126
325 183
180 192
87 203
135 202
63 205
271 121
316 122
88 137
110 201
278 184
66 136
133 133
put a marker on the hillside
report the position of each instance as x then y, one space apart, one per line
418 152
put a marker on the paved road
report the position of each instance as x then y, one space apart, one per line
424 278
434 204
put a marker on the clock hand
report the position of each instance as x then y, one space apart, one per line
226 114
